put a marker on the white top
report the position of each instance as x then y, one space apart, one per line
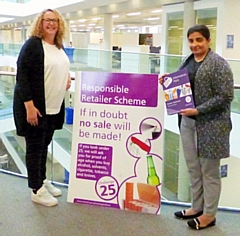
56 69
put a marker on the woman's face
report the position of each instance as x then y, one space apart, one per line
50 24
198 44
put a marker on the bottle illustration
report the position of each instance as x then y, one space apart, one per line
152 178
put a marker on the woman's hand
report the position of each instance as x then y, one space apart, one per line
69 82
161 78
189 112
32 113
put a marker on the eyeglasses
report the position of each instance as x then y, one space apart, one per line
54 21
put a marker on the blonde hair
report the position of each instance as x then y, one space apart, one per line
37 29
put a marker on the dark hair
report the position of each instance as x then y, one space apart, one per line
202 29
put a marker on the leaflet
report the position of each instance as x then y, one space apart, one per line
177 92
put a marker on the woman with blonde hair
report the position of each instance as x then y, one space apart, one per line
41 83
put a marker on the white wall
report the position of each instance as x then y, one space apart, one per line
80 40
157 39
229 22
95 38
5 36
132 39
17 36
230 185
126 39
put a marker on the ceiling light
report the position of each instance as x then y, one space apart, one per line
134 14
98 18
82 20
91 24
156 11
115 16
153 18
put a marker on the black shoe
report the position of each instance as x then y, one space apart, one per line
195 224
181 215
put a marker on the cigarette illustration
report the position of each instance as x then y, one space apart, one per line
141 144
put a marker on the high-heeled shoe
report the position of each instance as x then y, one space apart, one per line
195 224
181 215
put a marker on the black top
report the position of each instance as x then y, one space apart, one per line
192 68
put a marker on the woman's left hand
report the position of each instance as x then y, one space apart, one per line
69 82
189 112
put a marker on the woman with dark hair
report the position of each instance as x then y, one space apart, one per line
205 129
41 83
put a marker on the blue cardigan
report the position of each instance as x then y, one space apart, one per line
30 86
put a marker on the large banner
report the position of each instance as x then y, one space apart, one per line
117 145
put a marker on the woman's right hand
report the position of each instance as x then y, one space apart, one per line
161 78
32 113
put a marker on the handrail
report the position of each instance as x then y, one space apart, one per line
72 75
7 73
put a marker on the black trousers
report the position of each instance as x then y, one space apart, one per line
37 141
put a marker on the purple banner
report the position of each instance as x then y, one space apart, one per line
120 89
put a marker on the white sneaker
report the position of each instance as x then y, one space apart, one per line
44 197
51 189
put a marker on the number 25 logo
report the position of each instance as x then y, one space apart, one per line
108 190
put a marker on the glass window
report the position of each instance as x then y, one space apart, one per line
209 17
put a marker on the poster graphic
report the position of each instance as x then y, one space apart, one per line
146 39
230 41
177 92
117 145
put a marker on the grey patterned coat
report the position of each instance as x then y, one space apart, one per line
213 95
